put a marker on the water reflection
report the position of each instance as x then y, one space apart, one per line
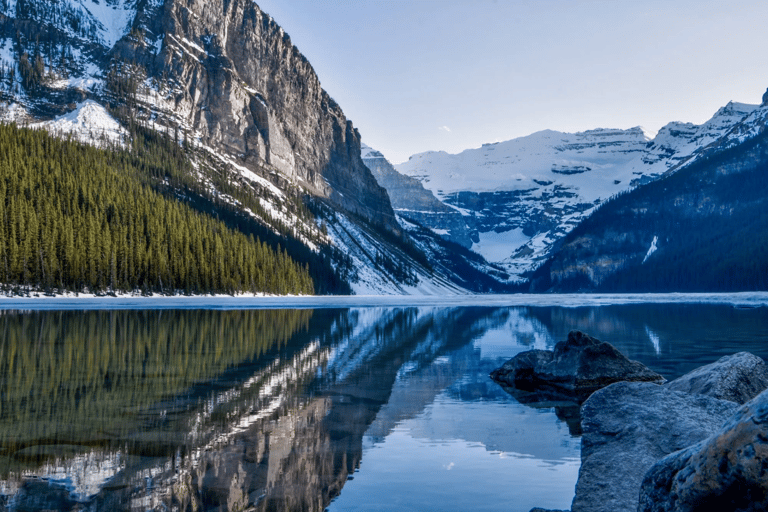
303 410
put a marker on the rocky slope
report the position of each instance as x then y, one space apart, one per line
524 195
222 79
412 201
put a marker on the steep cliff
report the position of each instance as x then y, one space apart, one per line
224 81
238 83
412 201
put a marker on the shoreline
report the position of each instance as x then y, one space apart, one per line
746 300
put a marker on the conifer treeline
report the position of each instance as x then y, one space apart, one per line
78 218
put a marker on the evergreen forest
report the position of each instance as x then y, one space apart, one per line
80 218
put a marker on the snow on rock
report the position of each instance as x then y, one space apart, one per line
652 249
12 113
368 152
495 246
114 18
368 278
562 159
87 83
90 123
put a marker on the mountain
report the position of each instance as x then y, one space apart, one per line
521 197
208 103
438 230
270 152
412 201
699 228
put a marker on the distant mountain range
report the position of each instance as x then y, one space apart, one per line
519 198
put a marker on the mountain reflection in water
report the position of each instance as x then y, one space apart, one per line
306 410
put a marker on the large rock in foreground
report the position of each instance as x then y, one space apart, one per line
627 427
728 471
739 378
579 364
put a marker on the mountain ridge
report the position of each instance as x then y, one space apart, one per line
522 196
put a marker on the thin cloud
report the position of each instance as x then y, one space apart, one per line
444 128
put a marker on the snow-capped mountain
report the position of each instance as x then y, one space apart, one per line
224 81
522 196
700 227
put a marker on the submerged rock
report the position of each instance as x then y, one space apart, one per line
627 427
566 409
727 471
579 365
739 378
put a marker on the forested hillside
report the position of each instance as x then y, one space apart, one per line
84 219
703 228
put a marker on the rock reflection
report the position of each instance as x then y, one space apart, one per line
270 410
256 410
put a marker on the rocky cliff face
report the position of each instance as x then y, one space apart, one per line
246 89
221 72
411 200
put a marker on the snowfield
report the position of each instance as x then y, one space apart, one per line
89 123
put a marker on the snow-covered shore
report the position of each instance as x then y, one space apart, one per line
91 302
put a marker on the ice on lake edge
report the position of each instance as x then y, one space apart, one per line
90 302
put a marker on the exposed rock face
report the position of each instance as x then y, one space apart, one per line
411 200
738 378
628 426
727 471
579 364
249 90
221 71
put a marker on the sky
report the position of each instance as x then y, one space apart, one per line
427 75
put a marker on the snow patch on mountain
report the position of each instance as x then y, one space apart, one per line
368 152
500 246
89 123
12 113
652 249
113 18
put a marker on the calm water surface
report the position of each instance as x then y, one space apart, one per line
340 409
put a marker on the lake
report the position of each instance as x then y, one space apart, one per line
374 408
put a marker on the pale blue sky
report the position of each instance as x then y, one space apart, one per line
453 74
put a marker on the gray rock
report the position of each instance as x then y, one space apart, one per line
727 471
627 427
537 509
579 364
240 83
411 200
739 378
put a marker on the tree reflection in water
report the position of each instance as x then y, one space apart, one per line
271 409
